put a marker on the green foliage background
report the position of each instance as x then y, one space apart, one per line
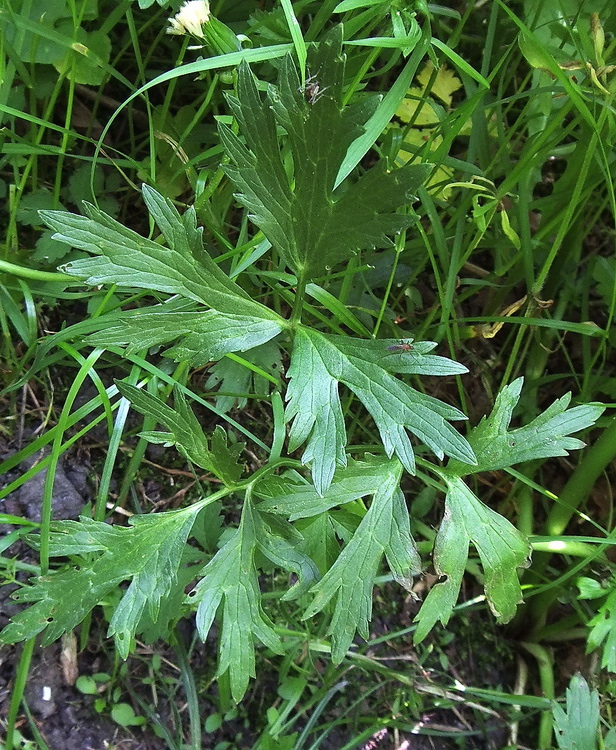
373 183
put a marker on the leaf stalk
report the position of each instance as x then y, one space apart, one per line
298 305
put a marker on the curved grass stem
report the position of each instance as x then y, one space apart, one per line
546 678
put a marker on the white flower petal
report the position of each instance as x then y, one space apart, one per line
190 18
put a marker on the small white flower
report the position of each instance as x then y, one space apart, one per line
190 18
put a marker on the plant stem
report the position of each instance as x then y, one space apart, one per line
34 273
546 677
18 690
300 295
571 498
190 688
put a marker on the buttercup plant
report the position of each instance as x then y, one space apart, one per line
284 152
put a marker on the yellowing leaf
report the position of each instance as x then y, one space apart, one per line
416 138
489 330
444 85
501 548
417 108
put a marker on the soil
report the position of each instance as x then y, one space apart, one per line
63 716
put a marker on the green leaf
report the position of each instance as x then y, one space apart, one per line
346 5
49 251
33 28
319 540
127 259
604 274
319 362
386 108
205 336
603 624
86 685
285 552
590 589
186 433
405 43
230 579
30 205
124 715
81 63
171 608
296 33
220 37
577 728
501 547
148 552
145 327
460 63
295 498
231 377
217 334
311 225
544 437
384 530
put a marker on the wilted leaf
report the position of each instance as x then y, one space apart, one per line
501 547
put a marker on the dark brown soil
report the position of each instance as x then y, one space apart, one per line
63 717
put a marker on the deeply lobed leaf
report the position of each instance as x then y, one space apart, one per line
147 553
496 447
204 336
127 259
577 727
320 362
230 581
310 224
384 530
186 433
296 498
235 321
501 547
